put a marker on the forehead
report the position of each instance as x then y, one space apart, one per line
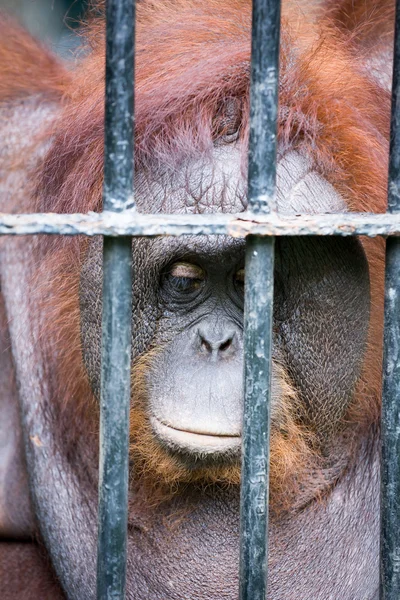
216 182
212 182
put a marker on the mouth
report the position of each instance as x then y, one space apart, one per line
195 443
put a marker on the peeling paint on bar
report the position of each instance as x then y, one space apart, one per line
130 223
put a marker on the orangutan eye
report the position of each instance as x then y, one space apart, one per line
239 277
227 121
185 277
239 280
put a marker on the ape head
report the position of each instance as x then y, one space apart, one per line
187 379
187 323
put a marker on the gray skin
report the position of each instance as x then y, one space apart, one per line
326 550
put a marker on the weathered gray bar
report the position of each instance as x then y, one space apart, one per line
390 466
256 419
131 223
117 308
259 300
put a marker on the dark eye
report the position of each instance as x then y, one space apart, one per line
226 124
239 278
185 277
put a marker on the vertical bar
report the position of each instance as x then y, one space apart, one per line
390 464
263 105
258 302
117 304
255 458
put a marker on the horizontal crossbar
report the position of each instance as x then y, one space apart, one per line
131 223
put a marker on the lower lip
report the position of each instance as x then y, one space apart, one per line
194 442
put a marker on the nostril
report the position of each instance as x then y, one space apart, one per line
214 343
225 345
206 345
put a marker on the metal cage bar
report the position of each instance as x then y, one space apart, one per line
390 436
120 220
117 305
259 271
130 223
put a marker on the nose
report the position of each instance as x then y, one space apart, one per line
216 343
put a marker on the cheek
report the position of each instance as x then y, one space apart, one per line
145 312
90 300
322 313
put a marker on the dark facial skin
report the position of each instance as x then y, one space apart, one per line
188 305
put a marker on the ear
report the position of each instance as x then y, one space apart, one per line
367 27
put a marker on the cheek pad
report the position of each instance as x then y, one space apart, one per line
322 314
144 305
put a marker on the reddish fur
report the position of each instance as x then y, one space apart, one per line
366 20
327 107
27 67
339 115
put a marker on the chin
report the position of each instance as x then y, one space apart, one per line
170 457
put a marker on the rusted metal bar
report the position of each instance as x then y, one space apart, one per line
130 223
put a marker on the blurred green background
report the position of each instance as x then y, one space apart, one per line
54 21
